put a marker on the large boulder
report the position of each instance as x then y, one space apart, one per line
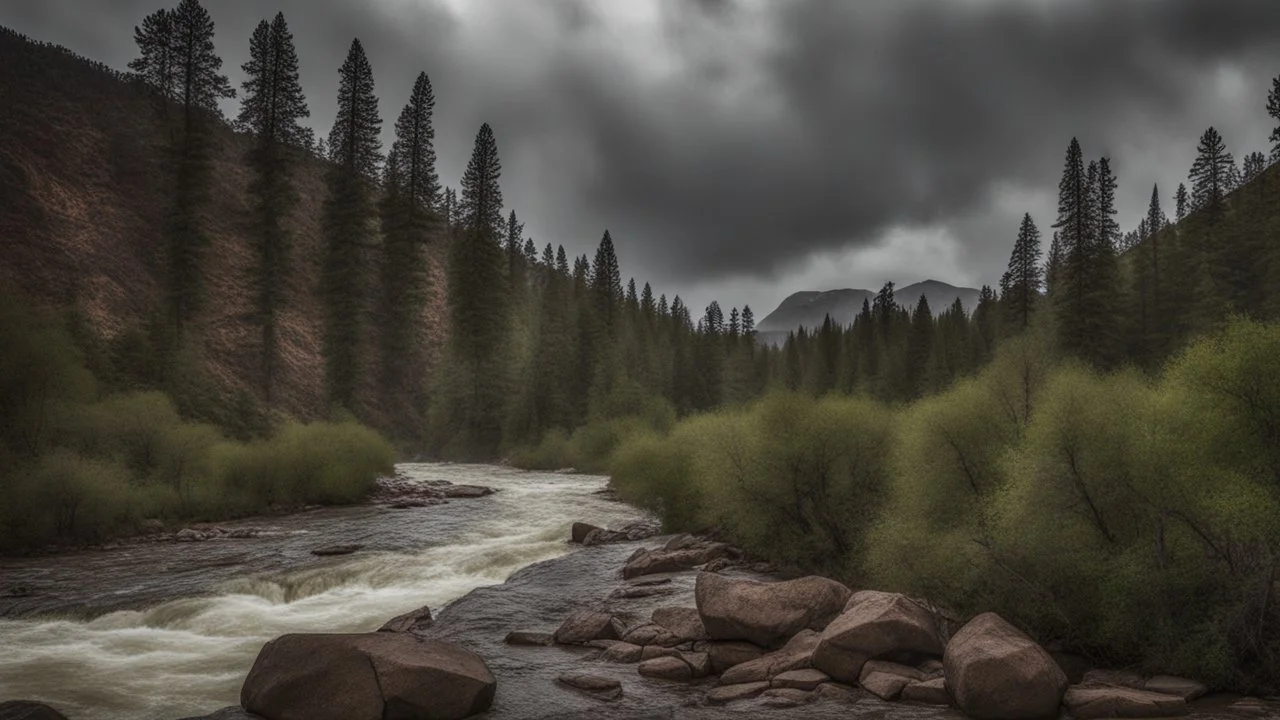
875 624
651 562
666 668
995 672
1087 703
766 613
586 625
371 676
27 710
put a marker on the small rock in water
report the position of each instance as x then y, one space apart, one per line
190 535
329 550
586 625
579 532
593 685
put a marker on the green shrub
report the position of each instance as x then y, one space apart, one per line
655 472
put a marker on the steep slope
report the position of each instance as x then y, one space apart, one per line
84 192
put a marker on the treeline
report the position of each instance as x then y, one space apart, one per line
1133 519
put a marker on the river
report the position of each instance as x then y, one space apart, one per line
156 631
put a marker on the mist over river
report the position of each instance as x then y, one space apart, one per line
158 631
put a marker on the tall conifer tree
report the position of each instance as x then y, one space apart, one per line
1020 287
354 147
272 104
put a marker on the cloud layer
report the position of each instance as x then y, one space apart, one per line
746 146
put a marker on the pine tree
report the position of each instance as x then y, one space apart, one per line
633 298
1211 175
562 261
354 150
1074 235
735 323
354 142
530 253
748 322
1181 201
606 282
714 319
199 84
410 219
647 306
157 64
480 205
1020 287
549 258
478 303
197 87
272 105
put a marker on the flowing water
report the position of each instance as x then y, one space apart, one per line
162 630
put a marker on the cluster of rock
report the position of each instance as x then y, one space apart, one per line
788 643
401 492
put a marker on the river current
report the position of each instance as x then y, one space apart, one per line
157 631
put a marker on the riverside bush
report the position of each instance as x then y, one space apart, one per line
76 467
1134 519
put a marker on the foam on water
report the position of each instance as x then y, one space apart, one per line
188 655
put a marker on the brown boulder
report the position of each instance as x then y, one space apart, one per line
414 621
872 625
728 653
586 625
593 685
766 613
579 532
465 491
928 692
26 710
1086 703
373 676
885 686
666 668
995 672
684 623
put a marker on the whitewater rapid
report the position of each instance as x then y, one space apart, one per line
187 654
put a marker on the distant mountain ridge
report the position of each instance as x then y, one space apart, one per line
809 308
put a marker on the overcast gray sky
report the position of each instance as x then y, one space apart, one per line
742 150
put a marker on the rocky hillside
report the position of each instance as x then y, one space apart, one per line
84 192
808 308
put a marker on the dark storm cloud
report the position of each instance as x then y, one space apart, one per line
738 138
